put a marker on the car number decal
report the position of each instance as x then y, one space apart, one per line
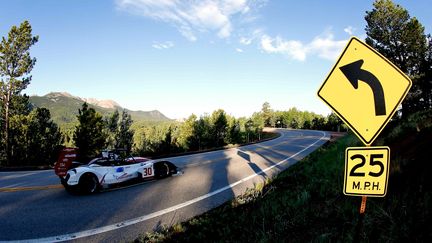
147 172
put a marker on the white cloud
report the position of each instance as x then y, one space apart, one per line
191 17
163 45
291 48
248 39
349 30
326 47
239 50
245 41
323 46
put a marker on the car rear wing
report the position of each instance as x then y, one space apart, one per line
64 162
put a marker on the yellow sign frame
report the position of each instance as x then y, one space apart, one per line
366 171
357 112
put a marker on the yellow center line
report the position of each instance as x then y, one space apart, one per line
31 188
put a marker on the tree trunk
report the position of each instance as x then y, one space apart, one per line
6 132
405 110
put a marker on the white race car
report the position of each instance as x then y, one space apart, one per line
109 170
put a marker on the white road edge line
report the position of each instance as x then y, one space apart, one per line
86 233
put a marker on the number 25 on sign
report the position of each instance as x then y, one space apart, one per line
366 171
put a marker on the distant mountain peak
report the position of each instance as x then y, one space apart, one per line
110 104
59 94
66 94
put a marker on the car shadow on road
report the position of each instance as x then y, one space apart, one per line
269 160
273 157
251 164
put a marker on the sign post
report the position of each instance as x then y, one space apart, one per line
363 205
365 89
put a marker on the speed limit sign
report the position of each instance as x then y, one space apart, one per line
366 171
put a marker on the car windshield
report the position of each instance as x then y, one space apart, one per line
116 158
102 162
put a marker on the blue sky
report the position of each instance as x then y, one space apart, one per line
184 57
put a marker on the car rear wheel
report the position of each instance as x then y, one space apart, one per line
88 184
162 170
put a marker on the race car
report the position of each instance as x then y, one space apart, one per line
111 169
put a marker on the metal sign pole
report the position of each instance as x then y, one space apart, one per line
359 227
364 198
363 205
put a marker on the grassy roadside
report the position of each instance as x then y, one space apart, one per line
306 203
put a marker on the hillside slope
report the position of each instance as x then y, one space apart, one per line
64 108
305 203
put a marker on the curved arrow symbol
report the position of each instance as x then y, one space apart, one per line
354 73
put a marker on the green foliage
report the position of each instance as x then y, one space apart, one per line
207 132
187 134
296 119
125 134
234 134
15 61
333 122
28 136
154 139
15 67
19 104
203 134
35 138
89 134
396 35
401 39
219 127
318 122
118 131
111 126
268 115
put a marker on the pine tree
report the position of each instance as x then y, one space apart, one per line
89 136
400 38
34 138
220 124
15 67
268 115
44 138
124 138
187 137
112 129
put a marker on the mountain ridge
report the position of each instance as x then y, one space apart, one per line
64 107
111 104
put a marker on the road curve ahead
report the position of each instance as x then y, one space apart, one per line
49 213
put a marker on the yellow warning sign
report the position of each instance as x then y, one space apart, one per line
366 171
364 89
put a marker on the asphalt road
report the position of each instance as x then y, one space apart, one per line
44 211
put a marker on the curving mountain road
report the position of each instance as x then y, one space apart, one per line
43 211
